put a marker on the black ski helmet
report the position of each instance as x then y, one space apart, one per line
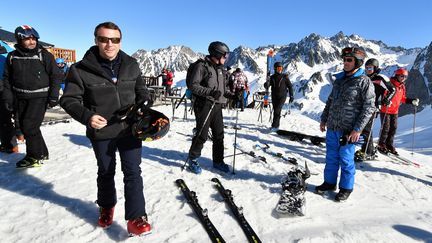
357 52
218 49
25 31
277 64
150 126
372 62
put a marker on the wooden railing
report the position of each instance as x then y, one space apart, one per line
67 54
151 81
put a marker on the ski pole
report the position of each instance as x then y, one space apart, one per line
200 131
235 142
370 134
414 125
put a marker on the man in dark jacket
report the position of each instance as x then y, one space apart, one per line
348 109
103 83
280 87
7 130
209 86
381 85
32 77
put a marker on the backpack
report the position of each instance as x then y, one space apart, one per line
191 67
239 81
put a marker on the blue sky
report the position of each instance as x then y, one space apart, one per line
157 24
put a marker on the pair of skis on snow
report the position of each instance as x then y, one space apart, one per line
202 214
266 149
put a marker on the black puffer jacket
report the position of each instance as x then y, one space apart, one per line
89 91
280 85
206 77
31 74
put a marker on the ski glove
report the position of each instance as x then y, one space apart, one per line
215 94
385 101
52 103
146 105
229 95
291 99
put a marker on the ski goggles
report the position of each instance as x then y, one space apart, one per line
103 39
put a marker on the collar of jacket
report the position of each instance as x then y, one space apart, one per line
396 83
214 65
91 61
28 52
358 73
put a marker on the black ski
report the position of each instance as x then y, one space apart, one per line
192 199
276 154
252 154
237 211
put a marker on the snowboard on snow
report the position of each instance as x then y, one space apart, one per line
292 201
297 136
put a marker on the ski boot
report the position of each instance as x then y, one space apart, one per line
194 166
29 162
391 149
359 156
382 148
342 195
139 226
105 217
325 187
221 166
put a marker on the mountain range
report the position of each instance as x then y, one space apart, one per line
310 64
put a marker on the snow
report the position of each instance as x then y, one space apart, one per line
391 202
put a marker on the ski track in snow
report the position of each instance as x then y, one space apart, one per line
55 203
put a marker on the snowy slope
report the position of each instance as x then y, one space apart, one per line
55 203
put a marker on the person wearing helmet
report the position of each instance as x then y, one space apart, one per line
61 64
208 84
347 111
104 83
381 84
389 112
33 80
280 87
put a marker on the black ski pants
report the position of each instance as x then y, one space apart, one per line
130 156
7 130
278 103
215 122
31 113
389 127
239 99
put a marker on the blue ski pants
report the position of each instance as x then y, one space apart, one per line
339 157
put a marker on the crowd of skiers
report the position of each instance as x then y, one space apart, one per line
104 88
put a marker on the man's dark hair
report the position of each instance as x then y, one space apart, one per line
107 25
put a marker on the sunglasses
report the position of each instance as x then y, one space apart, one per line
103 39
369 68
226 55
402 76
348 59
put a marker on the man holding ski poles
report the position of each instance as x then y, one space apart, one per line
207 81
348 109
381 85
